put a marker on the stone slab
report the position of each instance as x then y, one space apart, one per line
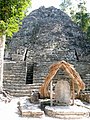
28 109
62 92
67 112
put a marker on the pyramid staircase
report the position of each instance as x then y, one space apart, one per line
15 79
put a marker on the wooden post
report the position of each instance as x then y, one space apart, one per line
51 94
73 92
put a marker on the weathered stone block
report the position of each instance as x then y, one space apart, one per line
30 110
17 57
62 92
67 112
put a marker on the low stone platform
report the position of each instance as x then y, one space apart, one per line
28 109
67 112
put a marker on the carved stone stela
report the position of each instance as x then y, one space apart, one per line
62 92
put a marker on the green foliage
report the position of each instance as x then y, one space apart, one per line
11 14
88 33
65 4
80 16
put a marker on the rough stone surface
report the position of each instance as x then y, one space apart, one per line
62 92
15 76
67 112
50 36
34 97
85 96
28 109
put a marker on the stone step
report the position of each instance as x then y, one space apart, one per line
15 69
22 86
14 72
20 82
16 81
39 81
15 76
19 93
86 78
18 69
88 75
28 109
86 81
14 66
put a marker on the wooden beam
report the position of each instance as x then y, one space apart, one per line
73 92
51 93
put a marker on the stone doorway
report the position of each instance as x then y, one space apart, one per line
29 74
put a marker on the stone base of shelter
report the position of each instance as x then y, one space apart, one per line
76 111
67 112
28 109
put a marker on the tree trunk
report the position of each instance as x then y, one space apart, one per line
2 46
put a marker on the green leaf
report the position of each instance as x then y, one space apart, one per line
11 14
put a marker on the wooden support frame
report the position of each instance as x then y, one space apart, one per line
51 93
68 68
73 92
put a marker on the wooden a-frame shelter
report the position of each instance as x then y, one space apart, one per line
68 68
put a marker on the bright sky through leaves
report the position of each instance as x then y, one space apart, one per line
47 3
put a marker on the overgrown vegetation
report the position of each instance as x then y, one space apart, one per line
11 14
79 15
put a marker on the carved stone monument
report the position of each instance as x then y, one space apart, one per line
62 92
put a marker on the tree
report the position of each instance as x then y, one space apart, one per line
11 14
65 5
80 15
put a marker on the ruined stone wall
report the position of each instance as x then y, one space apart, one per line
83 68
14 79
50 36
15 76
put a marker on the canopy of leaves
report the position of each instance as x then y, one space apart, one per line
80 16
65 4
11 14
